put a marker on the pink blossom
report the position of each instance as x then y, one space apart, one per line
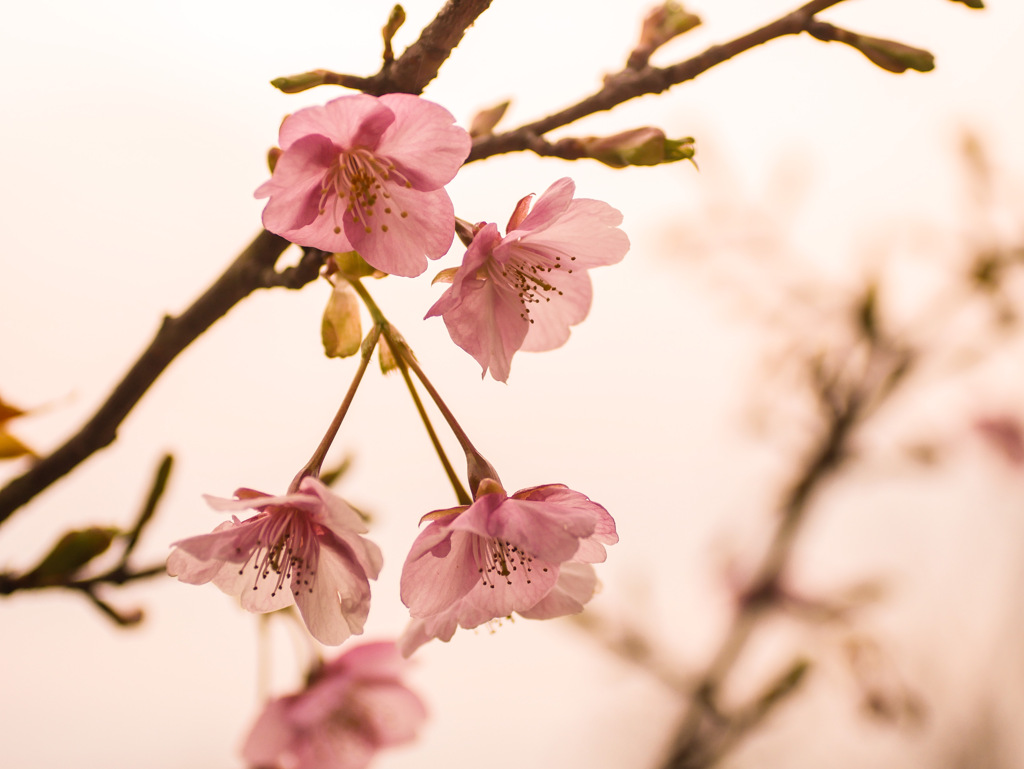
524 290
302 548
365 173
529 553
353 706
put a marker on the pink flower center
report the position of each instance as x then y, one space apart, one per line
285 545
357 183
533 277
501 560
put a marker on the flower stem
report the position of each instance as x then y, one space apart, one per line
460 492
478 467
312 467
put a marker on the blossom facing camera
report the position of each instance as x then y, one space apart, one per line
525 289
351 708
529 553
303 548
366 173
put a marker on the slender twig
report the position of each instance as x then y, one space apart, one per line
460 492
414 69
631 83
401 356
252 270
844 411
312 467
120 575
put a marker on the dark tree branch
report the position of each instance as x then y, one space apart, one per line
414 69
253 269
421 61
631 83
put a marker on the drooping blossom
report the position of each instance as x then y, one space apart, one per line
303 548
366 173
528 553
352 707
524 290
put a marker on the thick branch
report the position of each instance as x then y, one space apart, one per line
252 270
629 83
420 62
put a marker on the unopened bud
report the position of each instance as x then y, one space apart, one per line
466 230
892 56
484 121
388 363
341 329
638 147
352 264
665 22
977 4
395 21
273 154
300 83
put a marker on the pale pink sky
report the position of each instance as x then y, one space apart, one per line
134 136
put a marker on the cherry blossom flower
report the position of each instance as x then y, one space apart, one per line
303 548
529 553
365 173
524 290
353 706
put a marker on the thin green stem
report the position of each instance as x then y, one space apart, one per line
312 467
460 491
479 468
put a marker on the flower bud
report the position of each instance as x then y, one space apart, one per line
272 155
341 329
665 22
386 356
484 121
976 4
395 21
892 56
638 147
352 264
300 83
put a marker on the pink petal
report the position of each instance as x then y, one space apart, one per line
335 748
550 206
258 594
378 661
337 603
521 591
440 569
552 319
392 714
423 142
336 513
270 737
294 189
346 121
550 524
575 586
231 541
426 231
489 325
587 230
467 279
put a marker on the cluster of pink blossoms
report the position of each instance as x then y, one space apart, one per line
303 548
524 290
367 174
352 707
529 553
